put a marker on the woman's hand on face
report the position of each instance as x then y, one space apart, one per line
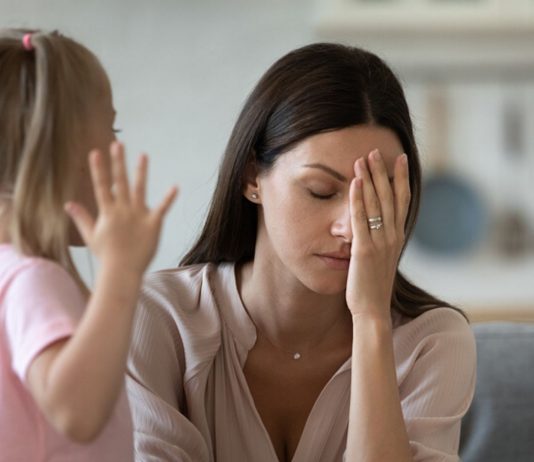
375 252
126 232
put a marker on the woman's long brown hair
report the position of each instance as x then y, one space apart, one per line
316 88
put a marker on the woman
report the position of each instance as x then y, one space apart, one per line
288 333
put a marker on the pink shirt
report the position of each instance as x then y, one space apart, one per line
191 402
39 305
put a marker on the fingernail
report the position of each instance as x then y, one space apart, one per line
404 159
375 154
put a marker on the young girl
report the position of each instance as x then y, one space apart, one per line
62 367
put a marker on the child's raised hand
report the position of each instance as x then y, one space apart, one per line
126 232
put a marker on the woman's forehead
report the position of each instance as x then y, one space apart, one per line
339 149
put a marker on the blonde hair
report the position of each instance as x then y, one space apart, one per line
45 99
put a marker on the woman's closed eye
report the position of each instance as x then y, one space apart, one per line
321 195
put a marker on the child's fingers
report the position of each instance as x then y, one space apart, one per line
82 219
100 179
167 201
139 190
120 176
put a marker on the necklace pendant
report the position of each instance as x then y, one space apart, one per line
296 356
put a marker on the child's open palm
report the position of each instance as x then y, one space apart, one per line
126 231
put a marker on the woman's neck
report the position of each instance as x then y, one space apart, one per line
286 311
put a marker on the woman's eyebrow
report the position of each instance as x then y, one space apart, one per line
334 173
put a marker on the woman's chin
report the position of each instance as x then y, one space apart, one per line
327 284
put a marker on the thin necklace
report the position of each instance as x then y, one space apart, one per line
296 355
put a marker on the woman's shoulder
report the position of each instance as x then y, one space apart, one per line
437 327
181 281
432 321
177 316
182 291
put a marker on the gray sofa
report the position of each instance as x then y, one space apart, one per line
499 426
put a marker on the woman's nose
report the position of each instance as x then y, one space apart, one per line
341 226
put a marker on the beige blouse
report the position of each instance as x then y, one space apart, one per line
189 397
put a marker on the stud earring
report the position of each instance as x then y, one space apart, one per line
254 196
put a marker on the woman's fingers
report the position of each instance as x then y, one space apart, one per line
120 176
401 192
100 179
371 202
358 215
383 190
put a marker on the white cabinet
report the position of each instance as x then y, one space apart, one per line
429 16
423 37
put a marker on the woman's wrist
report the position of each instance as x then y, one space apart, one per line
377 322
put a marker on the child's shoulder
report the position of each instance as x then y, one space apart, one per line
12 258
30 272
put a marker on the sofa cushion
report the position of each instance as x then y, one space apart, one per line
499 426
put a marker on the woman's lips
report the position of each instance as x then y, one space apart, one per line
335 262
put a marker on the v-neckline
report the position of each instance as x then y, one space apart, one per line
309 419
244 320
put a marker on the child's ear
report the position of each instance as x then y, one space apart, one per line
251 188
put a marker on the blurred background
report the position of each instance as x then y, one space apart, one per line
180 71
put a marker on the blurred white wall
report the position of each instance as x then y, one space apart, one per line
180 71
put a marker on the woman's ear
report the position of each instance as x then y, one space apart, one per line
251 188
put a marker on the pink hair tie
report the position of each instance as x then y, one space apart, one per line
27 42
